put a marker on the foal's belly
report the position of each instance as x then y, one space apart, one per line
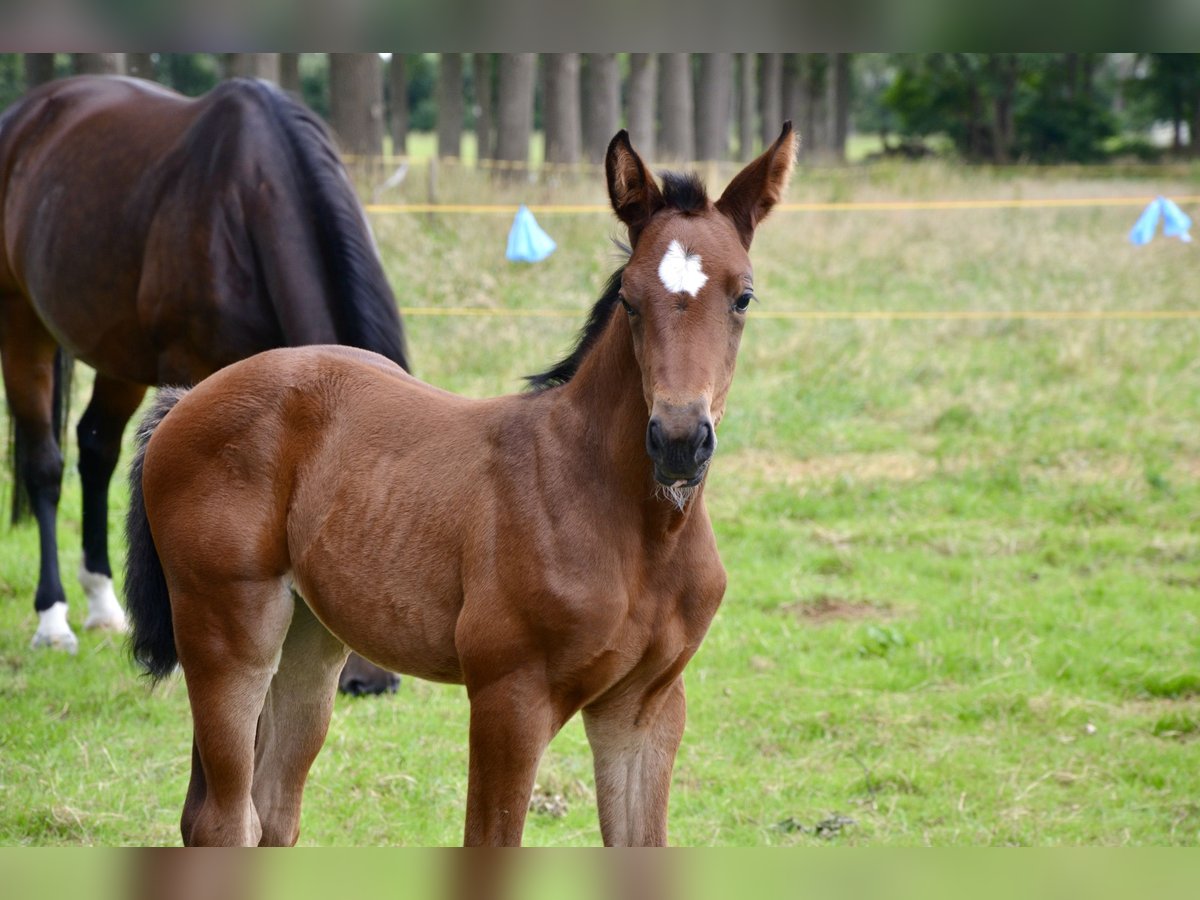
408 629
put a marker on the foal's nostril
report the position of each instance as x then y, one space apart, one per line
654 438
704 442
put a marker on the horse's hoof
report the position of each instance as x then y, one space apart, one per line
358 688
361 678
106 622
54 632
104 610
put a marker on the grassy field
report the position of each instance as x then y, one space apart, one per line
964 556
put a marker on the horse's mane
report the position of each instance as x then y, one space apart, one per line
363 305
597 320
683 192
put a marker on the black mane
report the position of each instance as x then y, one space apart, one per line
362 302
683 192
563 372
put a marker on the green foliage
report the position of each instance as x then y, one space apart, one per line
421 71
314 82
12 78
189 73
1169 90
1056 111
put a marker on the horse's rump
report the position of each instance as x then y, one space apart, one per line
323 465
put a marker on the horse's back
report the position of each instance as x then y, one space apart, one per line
71 154
129 217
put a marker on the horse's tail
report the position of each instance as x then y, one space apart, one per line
152 639
60 412
363 305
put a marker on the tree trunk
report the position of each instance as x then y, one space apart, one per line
770 96
514 113
98 63
1087 73
795 101
747 106
356 101
1071 75
398 110
484 137
450 105
560 110
602 104
677 139
1006 70
1194 125
140 65
714 103
641 107
289 73
839 87
252 65
39 68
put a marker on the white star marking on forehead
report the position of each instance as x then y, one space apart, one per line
680 271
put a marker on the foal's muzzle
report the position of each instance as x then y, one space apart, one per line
680 443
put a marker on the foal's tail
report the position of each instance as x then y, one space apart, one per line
152 639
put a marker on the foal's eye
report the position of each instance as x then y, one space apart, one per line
625 303
743 302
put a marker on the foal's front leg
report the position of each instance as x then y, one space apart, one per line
634 738
512 721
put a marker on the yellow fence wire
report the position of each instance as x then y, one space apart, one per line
815 314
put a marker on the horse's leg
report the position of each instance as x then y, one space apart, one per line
28 364
99 432
512 721
293 724
634 740
229 637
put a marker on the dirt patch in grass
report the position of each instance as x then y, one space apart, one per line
825 608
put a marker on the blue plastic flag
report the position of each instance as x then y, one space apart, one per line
526 240
1176 222
1147 223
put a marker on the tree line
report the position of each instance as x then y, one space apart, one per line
987 107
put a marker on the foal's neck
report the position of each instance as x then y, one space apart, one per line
607 392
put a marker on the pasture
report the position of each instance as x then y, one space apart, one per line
963 555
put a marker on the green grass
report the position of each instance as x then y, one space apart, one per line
964 557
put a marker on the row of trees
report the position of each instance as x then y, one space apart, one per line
995 107
1044 107
677 106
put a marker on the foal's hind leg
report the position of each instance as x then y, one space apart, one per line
99 432
233 633
634 740
293 724
28 362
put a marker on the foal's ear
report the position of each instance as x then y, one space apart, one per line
631 188
758 187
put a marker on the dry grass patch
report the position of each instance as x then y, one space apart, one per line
823 609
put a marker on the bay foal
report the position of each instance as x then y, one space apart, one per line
550 550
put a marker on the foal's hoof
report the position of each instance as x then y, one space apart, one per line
54 632
360 678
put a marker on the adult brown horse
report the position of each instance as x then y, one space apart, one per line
159 238
551 550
